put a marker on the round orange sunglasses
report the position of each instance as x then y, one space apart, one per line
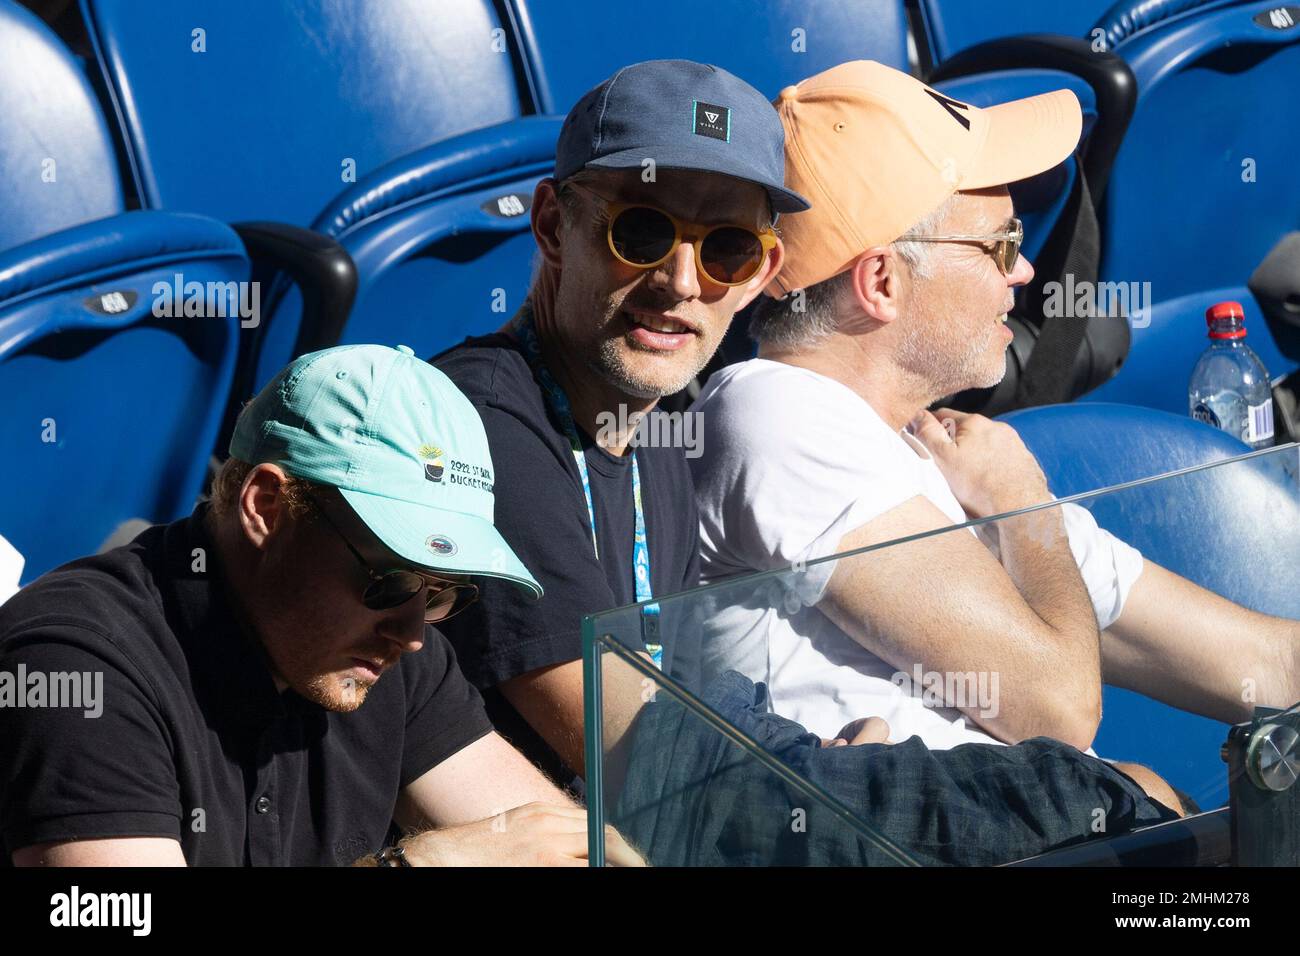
644 236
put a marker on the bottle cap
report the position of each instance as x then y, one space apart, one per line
1224 311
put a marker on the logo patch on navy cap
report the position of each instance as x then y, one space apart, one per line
714 121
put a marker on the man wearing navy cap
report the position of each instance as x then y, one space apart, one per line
655 230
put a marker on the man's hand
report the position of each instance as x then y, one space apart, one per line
864 730
536 834
985 463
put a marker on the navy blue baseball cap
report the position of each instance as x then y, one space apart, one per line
682 115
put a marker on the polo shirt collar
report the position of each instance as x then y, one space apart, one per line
228 665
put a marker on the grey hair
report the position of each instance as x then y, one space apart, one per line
917 255
802 319
807 317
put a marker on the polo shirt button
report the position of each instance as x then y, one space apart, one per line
263 804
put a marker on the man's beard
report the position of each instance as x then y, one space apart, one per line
610 359
332 691
342 696
936 352
609 364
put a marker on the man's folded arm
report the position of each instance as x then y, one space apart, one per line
481 780
551 701
1212 657
90 785
945 602
119 851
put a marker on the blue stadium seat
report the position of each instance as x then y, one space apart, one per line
252 109
570 46
954 25
56 158
440 239
1168 343
298 112
1203 186
1233 521
110 407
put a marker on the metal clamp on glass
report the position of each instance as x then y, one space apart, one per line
1263 758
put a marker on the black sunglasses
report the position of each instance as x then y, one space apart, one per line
389 589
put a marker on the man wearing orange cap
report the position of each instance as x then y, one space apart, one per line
894 294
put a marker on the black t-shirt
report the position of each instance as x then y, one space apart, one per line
193 740
542 513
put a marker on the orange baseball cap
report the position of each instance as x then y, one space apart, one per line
876 150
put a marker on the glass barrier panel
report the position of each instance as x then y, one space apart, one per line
679 786
982 647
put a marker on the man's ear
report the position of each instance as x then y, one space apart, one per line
876 283
546 218
262 506
775 260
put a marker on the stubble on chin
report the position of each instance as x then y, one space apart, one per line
612 366
612 353
950 363
341 695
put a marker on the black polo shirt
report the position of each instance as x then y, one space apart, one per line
194 742
542 512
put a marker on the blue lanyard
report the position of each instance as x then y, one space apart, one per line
523 329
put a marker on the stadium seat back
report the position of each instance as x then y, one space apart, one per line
440 238
1168 342
1230 529
1211 148
954 25
467 284
266 109
113 388
571 45
56 152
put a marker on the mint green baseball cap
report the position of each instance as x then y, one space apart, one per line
400 442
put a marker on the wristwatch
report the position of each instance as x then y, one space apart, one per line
391 856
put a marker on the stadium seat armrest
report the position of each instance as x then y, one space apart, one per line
321 268
1111 79
1130 17
509 149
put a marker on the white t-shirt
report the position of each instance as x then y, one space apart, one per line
792 461
11 570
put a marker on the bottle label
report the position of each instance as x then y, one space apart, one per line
1259 422
1203 413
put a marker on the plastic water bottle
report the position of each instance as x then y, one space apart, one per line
1230 387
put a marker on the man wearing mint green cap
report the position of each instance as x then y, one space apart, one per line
402 445
271 688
